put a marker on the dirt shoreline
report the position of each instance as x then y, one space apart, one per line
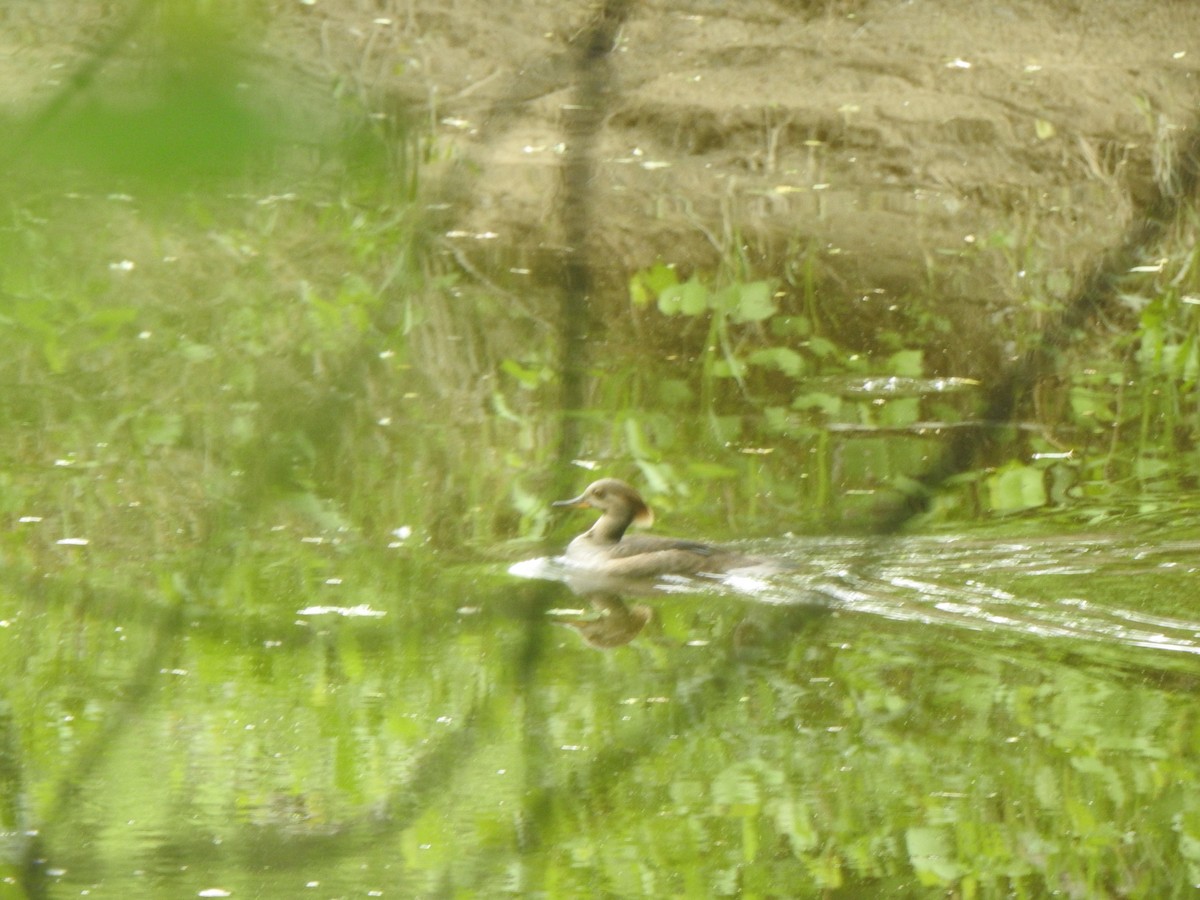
976 152
921 148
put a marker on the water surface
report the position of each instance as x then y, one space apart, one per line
891 716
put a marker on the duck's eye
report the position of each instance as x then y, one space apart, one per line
599 493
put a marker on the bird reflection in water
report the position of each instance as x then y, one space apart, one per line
616 624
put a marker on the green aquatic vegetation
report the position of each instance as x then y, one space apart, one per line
1119 424
798 391
735 303
1132 409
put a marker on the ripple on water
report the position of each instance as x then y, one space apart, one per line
1104 590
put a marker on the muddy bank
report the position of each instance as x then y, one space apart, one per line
974 153
977 153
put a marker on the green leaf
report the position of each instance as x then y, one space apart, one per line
785 359
908 363
826 403
1015 487
727 428
755 302
651 283
659 476
1059 283
1149 467
738 789
1088 403
670 301
822 347
689 298
900 412
695 298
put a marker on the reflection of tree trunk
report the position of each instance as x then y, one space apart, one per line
583 119
1091 300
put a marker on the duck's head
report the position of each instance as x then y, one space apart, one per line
615 499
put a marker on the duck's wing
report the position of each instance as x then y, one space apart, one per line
650 556
648 544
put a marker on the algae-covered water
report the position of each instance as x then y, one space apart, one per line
890 717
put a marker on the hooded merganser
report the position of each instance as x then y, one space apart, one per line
605 548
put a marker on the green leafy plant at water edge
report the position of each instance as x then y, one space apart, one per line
734 304
1131 410
796 390
1131 415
